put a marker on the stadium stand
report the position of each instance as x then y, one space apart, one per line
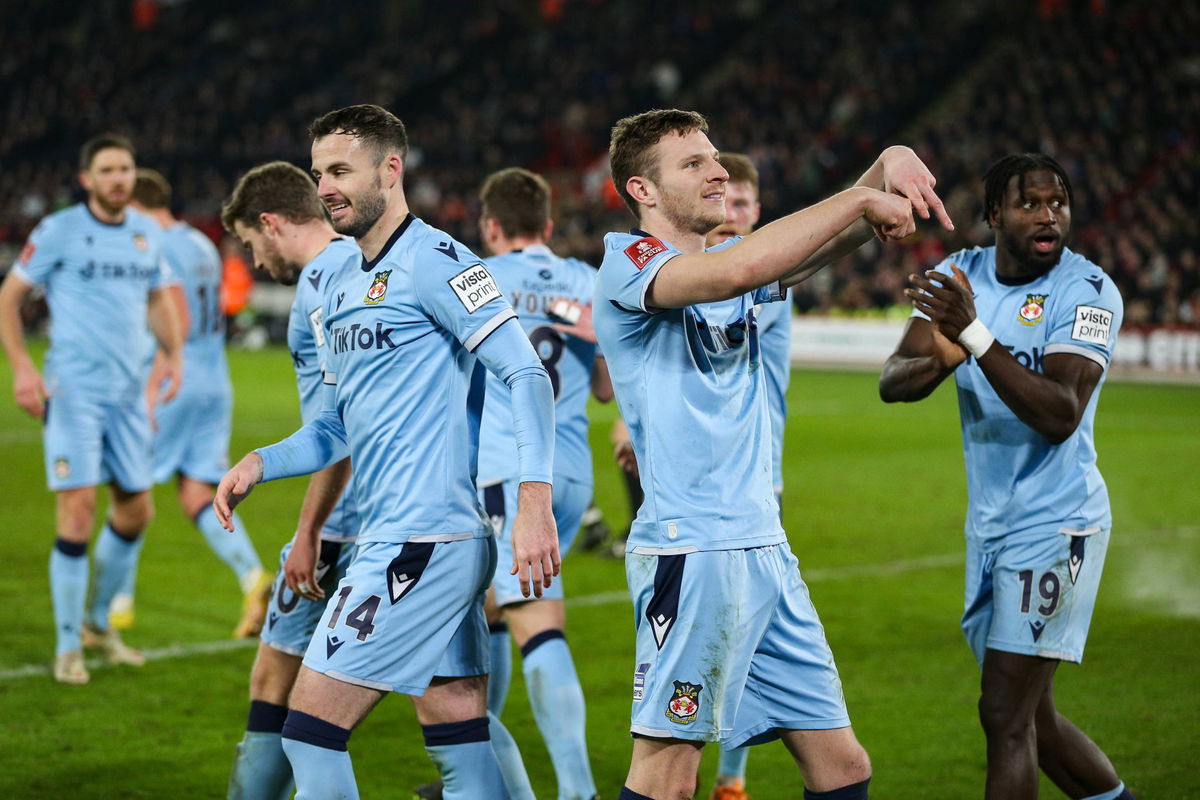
809 90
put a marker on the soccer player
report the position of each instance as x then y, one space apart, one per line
100 265
515 225
275 212
742 210
191 442
728 645
409 325
1028 328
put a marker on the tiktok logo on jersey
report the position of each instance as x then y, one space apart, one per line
1033 362
361 337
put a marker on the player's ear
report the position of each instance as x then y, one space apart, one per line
268 223
549 230
84 180
641 190
393 170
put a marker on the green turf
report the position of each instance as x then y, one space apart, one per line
874 505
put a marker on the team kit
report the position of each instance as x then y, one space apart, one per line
444 425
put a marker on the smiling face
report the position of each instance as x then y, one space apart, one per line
349 178
109 179
1033 222
688 184
742 210
266 250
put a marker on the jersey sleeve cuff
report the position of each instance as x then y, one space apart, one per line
488 328
23 276
1077 350
649 279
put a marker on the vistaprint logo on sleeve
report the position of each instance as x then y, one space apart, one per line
474 287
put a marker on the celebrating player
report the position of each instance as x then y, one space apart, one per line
742 210
515 225
1038 518
406 325
728 646
191 442
100 265
274 210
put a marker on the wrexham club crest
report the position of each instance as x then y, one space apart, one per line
378 288
685 703
1031 310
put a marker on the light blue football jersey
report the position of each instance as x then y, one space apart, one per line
306 342
532 280
401 330
97 278
1017 481
691 388
775 341
196 265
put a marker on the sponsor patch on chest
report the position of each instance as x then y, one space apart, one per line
1092 325
474 287
641 251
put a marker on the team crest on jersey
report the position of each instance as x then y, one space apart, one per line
62 468
141 242
684 705
378 288
641 251
1031 309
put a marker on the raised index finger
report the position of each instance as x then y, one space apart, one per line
939 210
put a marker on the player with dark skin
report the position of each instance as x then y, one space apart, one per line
1024 730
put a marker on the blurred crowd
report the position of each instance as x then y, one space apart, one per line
812 91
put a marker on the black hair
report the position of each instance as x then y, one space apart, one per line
995 180
375 125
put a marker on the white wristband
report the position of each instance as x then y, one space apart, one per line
976 338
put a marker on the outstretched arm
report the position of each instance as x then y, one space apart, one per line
776 252
898 171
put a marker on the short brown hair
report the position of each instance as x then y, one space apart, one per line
741 169
151 189
102 142
633 137
517 199
276 187
373 124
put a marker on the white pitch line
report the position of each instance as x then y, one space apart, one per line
897 567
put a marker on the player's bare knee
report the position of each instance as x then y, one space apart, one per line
273 675
1002 718
131 511
194 496
76 514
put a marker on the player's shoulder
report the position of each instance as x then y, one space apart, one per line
65 220
636 248
434 247
1080 273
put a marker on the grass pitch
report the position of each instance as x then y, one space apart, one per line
874 505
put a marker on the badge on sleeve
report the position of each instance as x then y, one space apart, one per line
474 287
1092 325
641 251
